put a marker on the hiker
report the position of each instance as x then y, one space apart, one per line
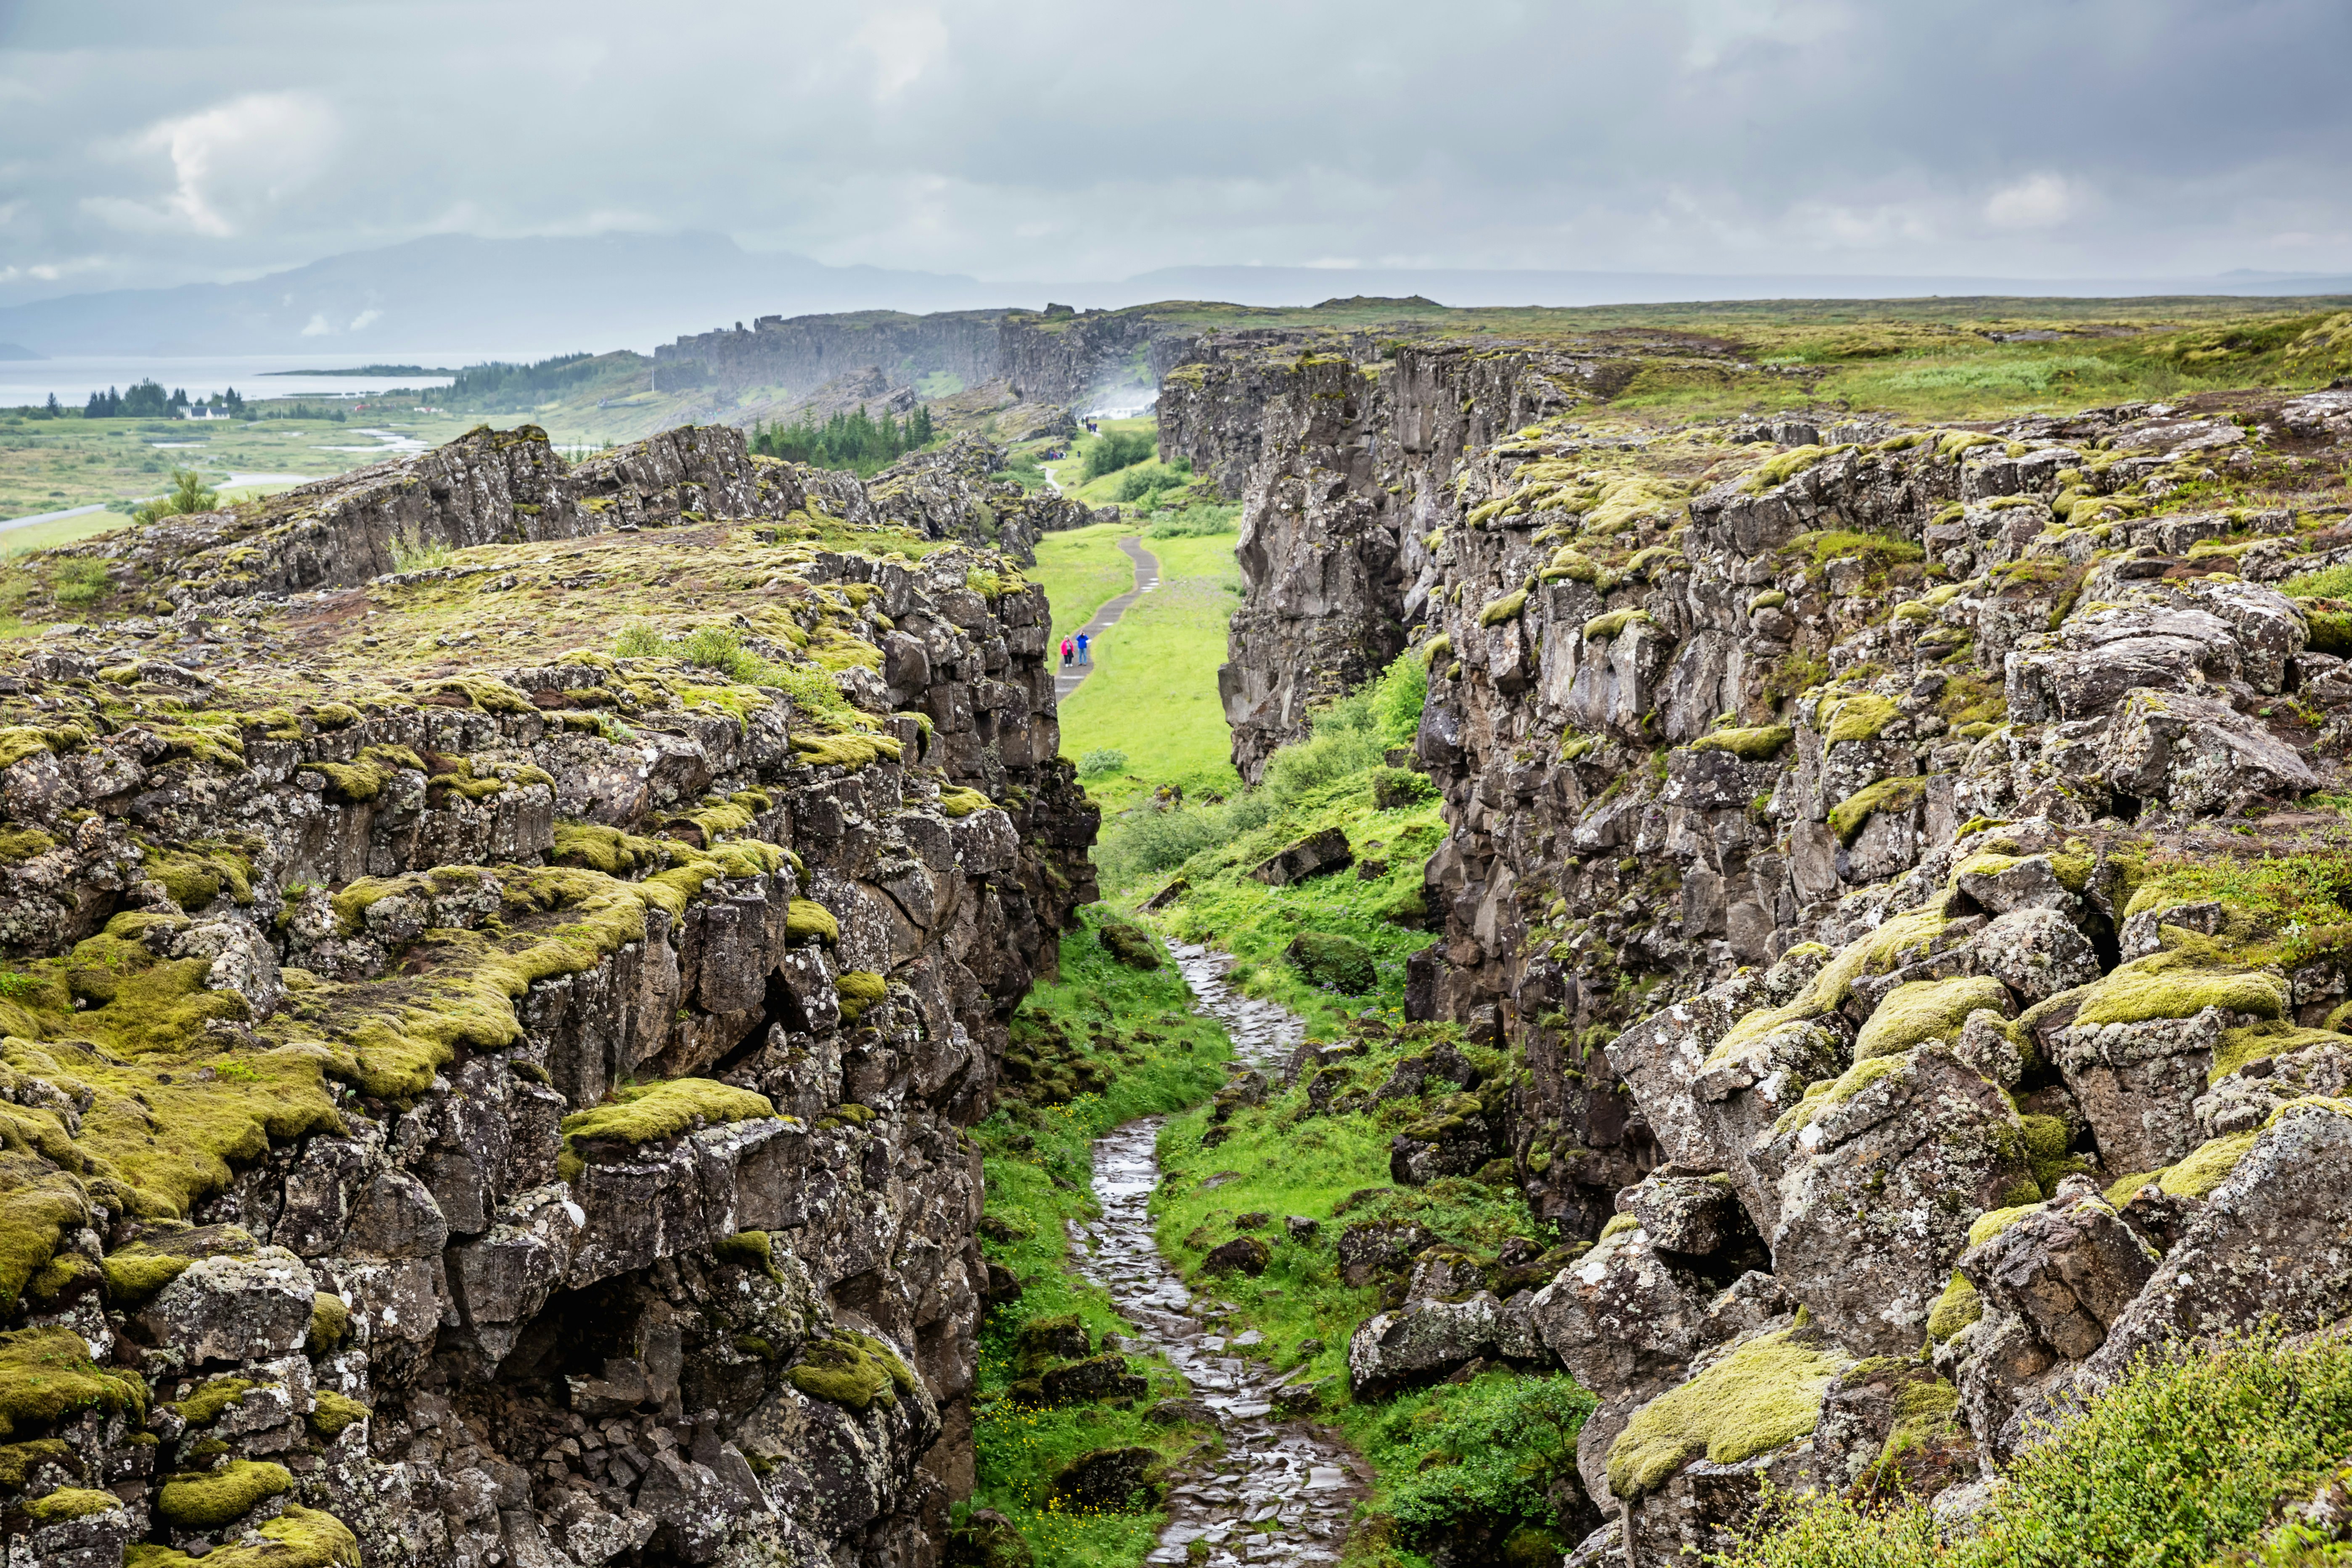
1082 640
1066 653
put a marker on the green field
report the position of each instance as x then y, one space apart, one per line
54 465
1153 694
1080 569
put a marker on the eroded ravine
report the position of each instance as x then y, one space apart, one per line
1282 1491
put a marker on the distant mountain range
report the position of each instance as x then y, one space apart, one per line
530 298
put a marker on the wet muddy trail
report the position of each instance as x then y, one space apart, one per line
1283 1491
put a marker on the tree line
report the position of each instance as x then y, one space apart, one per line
857 442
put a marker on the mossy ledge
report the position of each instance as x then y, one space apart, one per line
674 791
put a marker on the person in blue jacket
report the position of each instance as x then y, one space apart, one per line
1082 640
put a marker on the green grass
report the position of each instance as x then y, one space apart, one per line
2183 1462
53 465
1285 1162
1081 569
1133 1033
1153 694
1326 782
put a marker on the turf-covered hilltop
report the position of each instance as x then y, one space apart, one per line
500 957
1885 1035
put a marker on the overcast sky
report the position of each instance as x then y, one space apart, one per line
146 144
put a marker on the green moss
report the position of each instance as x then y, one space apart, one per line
1860 717
2179 984
646 1113
1618 1224
45 1375
1760 744
607 850
845 1370
808 921
1770 599
958 802
1923 1010
1783 467
1954 1309
1506 608
1601 629
847 751
331 1414
18 1462
749 1249
1848 817
198 874
205 1405
1569 564
298 1538
859 989
2207 1167
18 843
1893 945
216 1498
1992 1222
363 779
69 1502
1766 1393
329 1322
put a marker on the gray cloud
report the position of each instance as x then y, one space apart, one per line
1060 141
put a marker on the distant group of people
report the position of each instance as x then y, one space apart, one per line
1075 647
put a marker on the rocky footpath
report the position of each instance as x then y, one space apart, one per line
486 1044
1900 865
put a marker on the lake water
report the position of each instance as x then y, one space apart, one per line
73 379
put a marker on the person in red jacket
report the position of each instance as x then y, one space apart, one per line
1066 653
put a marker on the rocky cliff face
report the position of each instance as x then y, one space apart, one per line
1881 847
472 1099
1052 356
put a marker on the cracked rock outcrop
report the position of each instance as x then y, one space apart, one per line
478 1088
1898 861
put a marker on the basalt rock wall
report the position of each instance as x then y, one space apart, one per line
1058 357
1857 833
513 1115
509 487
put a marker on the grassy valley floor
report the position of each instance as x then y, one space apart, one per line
1106 1044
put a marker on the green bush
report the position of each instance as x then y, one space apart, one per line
1489 1450
1201 521
1335 962
1109 454
1145 480
1101 761
2185 1460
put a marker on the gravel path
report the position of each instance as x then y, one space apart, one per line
1283 1491
1147 578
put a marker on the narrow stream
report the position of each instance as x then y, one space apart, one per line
1283 1491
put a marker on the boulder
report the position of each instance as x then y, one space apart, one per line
1242 1255
233 1309
1129 944
1453 1139
2139 1083
1317 855
1420 1343
2199 754
2036 952
1373 1247
1882 1176
1093 1379
1336 963
1110 1480
1683 1213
